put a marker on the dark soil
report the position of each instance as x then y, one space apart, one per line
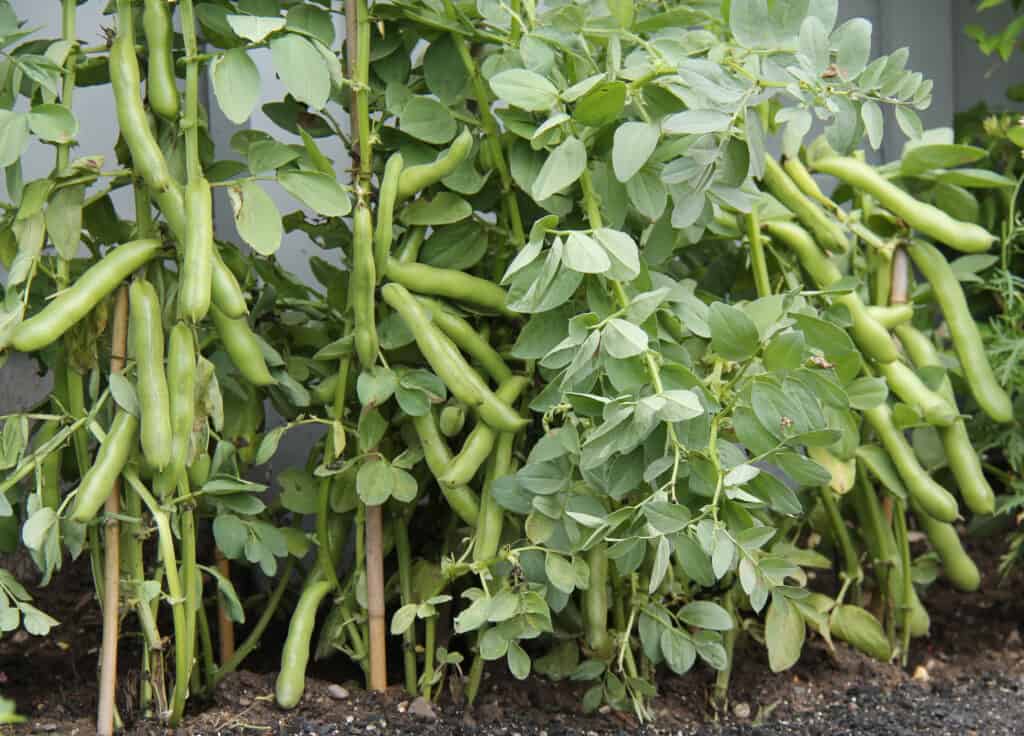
966 680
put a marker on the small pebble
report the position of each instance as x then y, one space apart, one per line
337 692
741 710
422 709
921 674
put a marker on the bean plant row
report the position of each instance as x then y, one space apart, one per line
604 385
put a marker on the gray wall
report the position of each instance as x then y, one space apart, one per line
931 28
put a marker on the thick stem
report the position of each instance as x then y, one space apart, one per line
429 644
491 131
69 21
190 571
851 561
476 670
190 120
209 668
112 550
720 697
175 592
907 583
325 554
405 586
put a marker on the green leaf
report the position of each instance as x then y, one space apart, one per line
977 179
622 250
927 157
706 615
302 69
676 646
632 146
518 661
403 619
227 593
874 122
64 219
785 631
54 123
444 209
559 572
319 192
124 394
231 534
622 339
37 527
602 105
14 134
734 335
909 122
583 254
562 168
525 89
696 122
300 490
254 28
256 217
376 386
867 393
852 41
375 482
426 119
236 84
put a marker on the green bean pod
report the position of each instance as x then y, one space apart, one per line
447 282
75 302
181 372
827 232
242 347
452 420
892 315
870 336
160 84
970 348
384 233
361 287
225 291
461 498
147 158
478 445
805 182
469 340
912 390
960 569
291 680
932 497
861 630
449 364
98 482
414 179
197 263
960 453
930 220
491 518
146 337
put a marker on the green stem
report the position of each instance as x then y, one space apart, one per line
176 594
206 646
247 646
851 561
404 553
720 698
491 130
69 21
190 571
907 587
476 670
190 120
758 262
430 635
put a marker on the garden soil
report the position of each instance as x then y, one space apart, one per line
966 680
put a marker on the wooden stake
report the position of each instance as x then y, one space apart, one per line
225 626
112 549
375 598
